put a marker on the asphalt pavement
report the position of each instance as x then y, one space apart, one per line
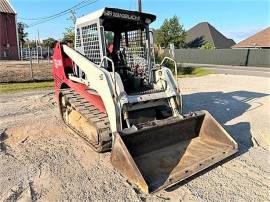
233 70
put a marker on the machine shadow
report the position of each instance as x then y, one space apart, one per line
224 107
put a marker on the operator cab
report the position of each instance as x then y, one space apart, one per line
123 36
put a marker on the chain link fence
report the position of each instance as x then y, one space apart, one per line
34 65
38 53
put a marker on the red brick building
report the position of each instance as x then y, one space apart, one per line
8 32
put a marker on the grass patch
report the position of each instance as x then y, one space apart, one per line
191 71
15 87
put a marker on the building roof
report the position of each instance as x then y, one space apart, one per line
258 40
203 33
5 7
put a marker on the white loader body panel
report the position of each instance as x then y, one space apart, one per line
100 80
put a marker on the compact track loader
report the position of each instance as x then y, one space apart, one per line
114 96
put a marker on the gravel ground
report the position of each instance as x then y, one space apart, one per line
42 160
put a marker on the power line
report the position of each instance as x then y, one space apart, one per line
59 15
61 12
49 18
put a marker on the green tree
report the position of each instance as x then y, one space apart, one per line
208 45
50 42
109 36
171 31
32 43
22 34
69 35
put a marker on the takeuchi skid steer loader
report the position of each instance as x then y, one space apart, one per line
112 94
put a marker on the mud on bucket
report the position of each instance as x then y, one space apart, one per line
160 156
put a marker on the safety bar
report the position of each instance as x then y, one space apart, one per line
176 78
175 68
113 70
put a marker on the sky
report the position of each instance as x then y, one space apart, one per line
236 19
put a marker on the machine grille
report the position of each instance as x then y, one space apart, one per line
91 46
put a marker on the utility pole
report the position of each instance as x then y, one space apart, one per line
139 5
140 10
21 57
30 60
49 54
37 50
38 36
38 44
73 16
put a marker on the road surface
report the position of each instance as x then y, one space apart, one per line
234 70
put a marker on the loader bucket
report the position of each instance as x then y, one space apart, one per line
162 155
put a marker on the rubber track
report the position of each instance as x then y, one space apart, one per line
94 116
